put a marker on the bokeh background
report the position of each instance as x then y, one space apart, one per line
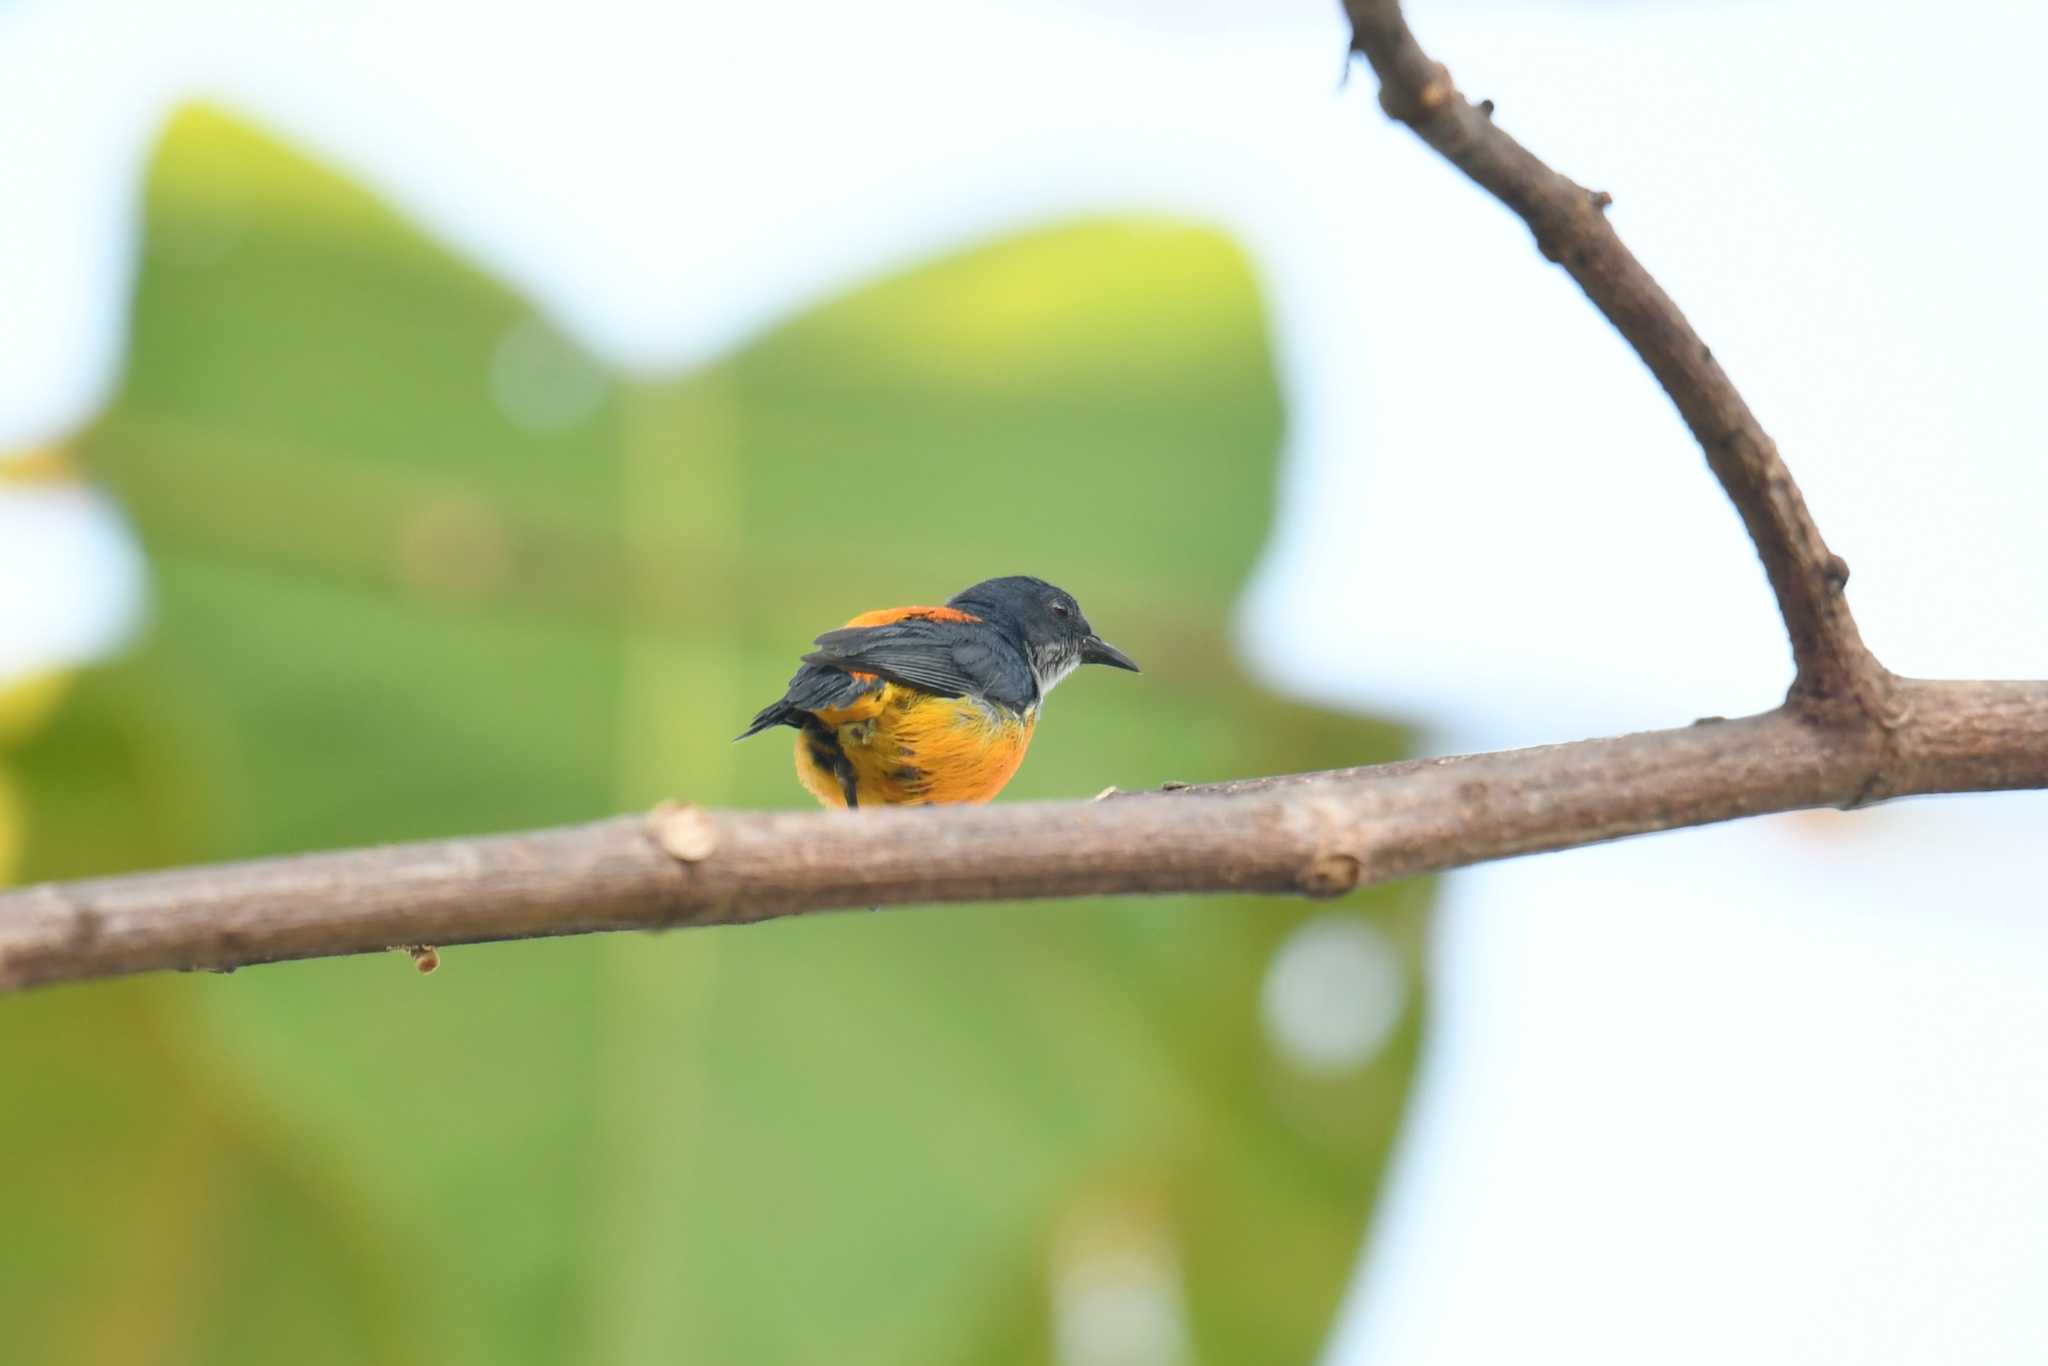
433 418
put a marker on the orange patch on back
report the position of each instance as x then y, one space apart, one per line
882 616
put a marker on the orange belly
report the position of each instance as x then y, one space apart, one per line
909 748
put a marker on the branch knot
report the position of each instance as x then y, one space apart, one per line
1331 875
683 831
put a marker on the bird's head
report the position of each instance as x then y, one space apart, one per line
1045 621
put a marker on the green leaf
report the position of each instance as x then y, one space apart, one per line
423 567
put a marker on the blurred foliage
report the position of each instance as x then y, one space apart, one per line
37 465
26 704
421 566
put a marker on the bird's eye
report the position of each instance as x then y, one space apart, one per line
1059 609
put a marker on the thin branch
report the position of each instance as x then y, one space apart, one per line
1848 733
1571 228
1318 834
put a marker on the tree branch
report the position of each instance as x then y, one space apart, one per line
1571 228
1849 733
1314 834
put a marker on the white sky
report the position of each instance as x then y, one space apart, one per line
1771 1092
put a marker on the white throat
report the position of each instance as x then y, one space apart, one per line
1051 664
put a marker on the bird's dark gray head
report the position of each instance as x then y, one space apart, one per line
1045 621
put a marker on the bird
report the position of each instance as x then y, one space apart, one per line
913 705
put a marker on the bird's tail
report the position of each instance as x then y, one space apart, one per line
777 713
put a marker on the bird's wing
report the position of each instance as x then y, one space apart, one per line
951 658
818 689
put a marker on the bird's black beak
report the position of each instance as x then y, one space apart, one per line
1096 650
